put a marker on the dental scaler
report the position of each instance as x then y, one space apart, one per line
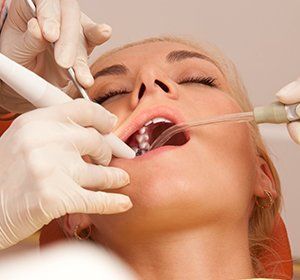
43 94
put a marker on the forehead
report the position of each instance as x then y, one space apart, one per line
145 52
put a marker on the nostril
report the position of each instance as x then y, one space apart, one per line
142 90
162 85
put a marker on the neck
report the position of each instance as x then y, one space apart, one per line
210 253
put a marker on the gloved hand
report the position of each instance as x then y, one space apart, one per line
26 40
43 175
290 94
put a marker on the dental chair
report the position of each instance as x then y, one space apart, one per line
278 265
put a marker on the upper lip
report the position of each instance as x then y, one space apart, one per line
134 123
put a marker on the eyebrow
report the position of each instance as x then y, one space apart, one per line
176 56
116 69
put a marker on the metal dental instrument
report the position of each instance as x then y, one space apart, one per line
119 148
274 113
70 70
41 94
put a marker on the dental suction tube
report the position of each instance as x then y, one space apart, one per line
43 94
277 113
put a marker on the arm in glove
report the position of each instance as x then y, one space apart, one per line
27 40
43 175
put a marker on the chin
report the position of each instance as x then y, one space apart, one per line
199 183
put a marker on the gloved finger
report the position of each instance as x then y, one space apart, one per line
79 111
97 177
290 94
81 68
34 43
83 73
89 141
294 131
90 202
96 34
66 47
48 15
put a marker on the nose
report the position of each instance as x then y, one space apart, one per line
153 83
159 83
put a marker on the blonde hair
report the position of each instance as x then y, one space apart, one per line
262 221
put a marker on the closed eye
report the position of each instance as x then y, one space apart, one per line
208 81
109 95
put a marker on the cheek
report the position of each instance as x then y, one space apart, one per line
223 146
226 161
212 177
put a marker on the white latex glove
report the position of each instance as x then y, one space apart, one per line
43 175
27 40
290 94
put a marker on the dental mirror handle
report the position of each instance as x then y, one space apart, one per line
277 113
43 94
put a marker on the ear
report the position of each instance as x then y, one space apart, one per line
265 180
70 221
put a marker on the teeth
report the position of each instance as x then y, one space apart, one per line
147 123
144 146
142 130
157 120
142 138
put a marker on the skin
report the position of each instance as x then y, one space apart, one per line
191 204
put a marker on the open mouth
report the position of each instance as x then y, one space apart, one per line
140 141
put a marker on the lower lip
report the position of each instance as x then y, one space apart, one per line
157 151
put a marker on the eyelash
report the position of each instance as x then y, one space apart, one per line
110 94
207 81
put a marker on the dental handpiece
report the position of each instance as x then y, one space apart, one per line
275 113
43 94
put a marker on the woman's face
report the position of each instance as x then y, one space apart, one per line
208 179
